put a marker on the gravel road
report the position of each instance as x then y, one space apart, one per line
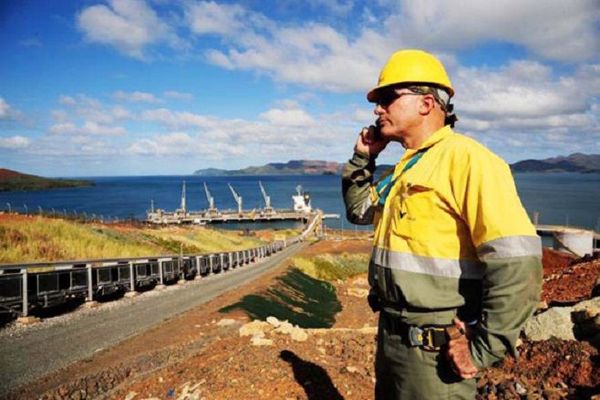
29 353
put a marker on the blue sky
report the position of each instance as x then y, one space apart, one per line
144 87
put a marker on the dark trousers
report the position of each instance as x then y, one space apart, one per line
410 373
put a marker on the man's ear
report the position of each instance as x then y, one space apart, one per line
427 104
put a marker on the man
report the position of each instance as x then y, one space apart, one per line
456 263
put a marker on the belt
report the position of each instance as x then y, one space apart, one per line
427 337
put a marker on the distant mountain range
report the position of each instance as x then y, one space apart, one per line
293 167
577 162
12 180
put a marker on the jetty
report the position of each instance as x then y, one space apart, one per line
301 210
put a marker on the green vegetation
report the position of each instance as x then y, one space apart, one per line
330 267
298 298
13 181
304 295
37 239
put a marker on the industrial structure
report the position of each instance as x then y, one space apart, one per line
301 210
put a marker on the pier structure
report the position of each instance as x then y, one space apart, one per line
301 211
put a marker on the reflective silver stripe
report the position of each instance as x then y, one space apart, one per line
442 267
510 246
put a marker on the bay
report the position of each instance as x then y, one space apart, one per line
571 199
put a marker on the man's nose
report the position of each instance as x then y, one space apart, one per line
378 110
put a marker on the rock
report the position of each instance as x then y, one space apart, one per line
259 334
593 305
358 292
299 335
368 330
360 282
273 321
253 327
555 321
28 320
542 306
260 341
585 315
285 328
226 322
130 395
351 369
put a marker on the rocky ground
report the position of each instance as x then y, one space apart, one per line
207 354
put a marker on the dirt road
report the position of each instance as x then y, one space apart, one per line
30 353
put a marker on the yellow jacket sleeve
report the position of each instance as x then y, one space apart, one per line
508 248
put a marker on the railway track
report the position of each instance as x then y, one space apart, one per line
29 354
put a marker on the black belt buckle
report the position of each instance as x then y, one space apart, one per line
429 335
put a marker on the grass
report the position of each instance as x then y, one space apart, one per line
330 267
40 239
297 298
305 296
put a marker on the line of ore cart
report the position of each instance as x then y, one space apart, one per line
24 288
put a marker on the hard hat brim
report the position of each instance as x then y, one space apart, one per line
372 94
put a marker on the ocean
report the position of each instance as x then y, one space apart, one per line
571 199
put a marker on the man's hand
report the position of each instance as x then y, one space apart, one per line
368 144
459 353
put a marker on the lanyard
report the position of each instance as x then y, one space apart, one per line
385 185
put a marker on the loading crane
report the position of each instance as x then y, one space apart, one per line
183 207
211 201
268 209
237 197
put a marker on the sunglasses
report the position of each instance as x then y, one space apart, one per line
385 97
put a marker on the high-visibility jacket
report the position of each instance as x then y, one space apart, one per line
450 233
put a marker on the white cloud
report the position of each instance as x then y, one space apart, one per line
65 128
336 7
172 94
181 143
289 117
14 142
178 119
5 109
88 128
67 101
313 54
525 94
128 25
207 17
136 97
557 30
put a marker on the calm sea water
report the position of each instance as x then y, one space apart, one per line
562 198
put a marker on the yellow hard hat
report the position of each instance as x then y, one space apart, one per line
412 66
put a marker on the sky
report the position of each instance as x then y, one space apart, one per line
157 87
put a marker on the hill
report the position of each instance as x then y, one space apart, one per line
12 180
576 162
293 167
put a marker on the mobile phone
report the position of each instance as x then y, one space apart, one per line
376 129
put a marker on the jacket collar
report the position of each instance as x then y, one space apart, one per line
436 137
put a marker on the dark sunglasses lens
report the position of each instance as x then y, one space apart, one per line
386 97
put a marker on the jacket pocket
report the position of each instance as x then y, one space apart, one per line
412 210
